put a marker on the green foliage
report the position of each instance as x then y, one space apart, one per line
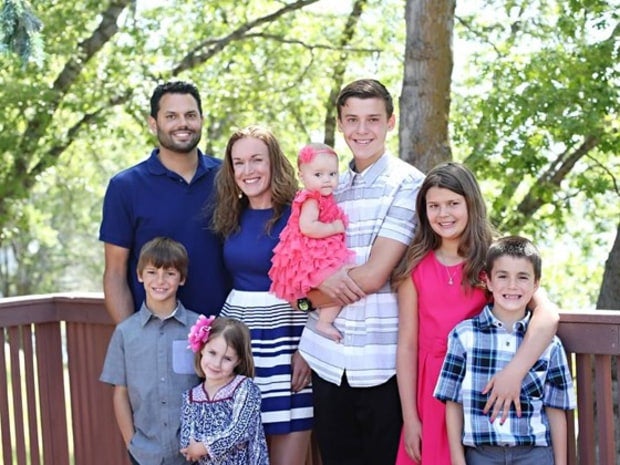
534 113
79 118
19 31
538 121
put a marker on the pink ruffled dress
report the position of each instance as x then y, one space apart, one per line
299 262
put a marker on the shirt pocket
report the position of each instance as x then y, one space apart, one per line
182 358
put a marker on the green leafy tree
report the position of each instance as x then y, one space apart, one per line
270 62
538 120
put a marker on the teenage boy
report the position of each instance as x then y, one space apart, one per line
480 347
165 195
356 403
148 361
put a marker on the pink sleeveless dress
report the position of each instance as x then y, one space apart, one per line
440 307
299 262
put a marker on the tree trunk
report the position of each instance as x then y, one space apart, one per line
609 296
339 71
425 96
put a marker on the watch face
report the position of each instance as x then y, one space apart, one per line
303 304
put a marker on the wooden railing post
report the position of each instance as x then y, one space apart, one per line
52 395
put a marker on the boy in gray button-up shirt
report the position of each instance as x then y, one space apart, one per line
148 361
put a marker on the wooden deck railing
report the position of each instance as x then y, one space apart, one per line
54 411
592 339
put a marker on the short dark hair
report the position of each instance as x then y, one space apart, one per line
174 87
163 252
517 247
364 89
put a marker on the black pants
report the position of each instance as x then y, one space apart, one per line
356 426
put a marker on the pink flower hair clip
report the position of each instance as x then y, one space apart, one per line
199 333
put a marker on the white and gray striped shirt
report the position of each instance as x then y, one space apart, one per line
379 202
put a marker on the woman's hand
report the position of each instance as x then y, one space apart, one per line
504 388
300 377
194 451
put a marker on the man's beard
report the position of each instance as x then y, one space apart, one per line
179 147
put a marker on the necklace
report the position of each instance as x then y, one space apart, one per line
450 275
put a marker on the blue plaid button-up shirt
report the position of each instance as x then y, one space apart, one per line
480 347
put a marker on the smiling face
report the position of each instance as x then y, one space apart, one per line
161 286
218 361
513 283
252 169
364 124
320 174
178 124
447 213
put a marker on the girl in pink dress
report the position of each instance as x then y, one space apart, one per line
439 284
312 245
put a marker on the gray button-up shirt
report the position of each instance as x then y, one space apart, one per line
150 357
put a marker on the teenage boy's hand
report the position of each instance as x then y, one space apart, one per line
341 288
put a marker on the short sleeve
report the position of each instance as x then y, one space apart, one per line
117 218
114 365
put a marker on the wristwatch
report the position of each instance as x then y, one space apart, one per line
305 305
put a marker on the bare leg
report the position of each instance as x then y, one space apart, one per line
289 449
325 325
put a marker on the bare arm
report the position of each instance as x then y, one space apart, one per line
309 223
505 386
454 423
407 367
557 423
348 285
123 413
117 295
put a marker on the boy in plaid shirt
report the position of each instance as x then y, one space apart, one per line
479 347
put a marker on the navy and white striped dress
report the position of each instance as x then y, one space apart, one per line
275 327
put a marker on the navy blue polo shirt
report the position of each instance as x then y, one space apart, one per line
148 200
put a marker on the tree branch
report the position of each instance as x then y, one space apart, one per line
551 180
71 134
198 55
284 40
614 181
67 77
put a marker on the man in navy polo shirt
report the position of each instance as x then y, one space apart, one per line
165 195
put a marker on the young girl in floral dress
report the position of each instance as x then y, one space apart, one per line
221 419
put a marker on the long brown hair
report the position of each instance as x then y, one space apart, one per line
237 336
228 205
476 237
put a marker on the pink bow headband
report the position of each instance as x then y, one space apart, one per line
199 333
308 152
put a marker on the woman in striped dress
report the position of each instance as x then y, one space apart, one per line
255 188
